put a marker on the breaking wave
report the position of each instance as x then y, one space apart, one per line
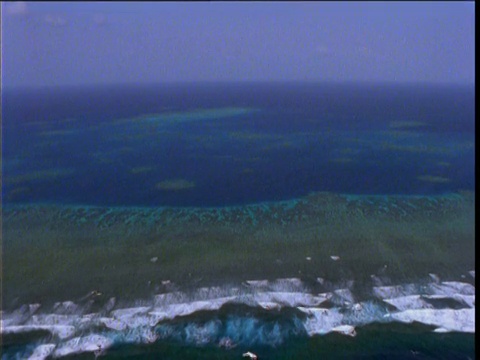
254 313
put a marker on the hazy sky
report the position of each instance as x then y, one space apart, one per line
80 43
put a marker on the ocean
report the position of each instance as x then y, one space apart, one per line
206 220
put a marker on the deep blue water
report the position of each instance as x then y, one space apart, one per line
291 139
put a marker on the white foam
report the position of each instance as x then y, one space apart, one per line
462 320
62 331
364 313
267 305
65 307
113 324
286 290
176 297
345 330
467 300
205 293
172 311
343 296
42 352
19 316
157 316
257 283
53 319
413 302
441 330
135 317
78 345
88 319
129 312
321 321
357 307
288 284
409 302
290 299
451 288
388 292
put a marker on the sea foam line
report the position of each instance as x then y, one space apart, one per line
75 330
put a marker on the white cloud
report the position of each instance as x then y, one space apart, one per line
16 8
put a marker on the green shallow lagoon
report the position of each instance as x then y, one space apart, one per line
57 253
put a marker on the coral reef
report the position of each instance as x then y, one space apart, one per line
398 237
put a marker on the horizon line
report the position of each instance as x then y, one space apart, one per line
235 82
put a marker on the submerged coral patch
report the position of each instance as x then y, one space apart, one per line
406 124
42 175
434 179
141 169
175 185
192 115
